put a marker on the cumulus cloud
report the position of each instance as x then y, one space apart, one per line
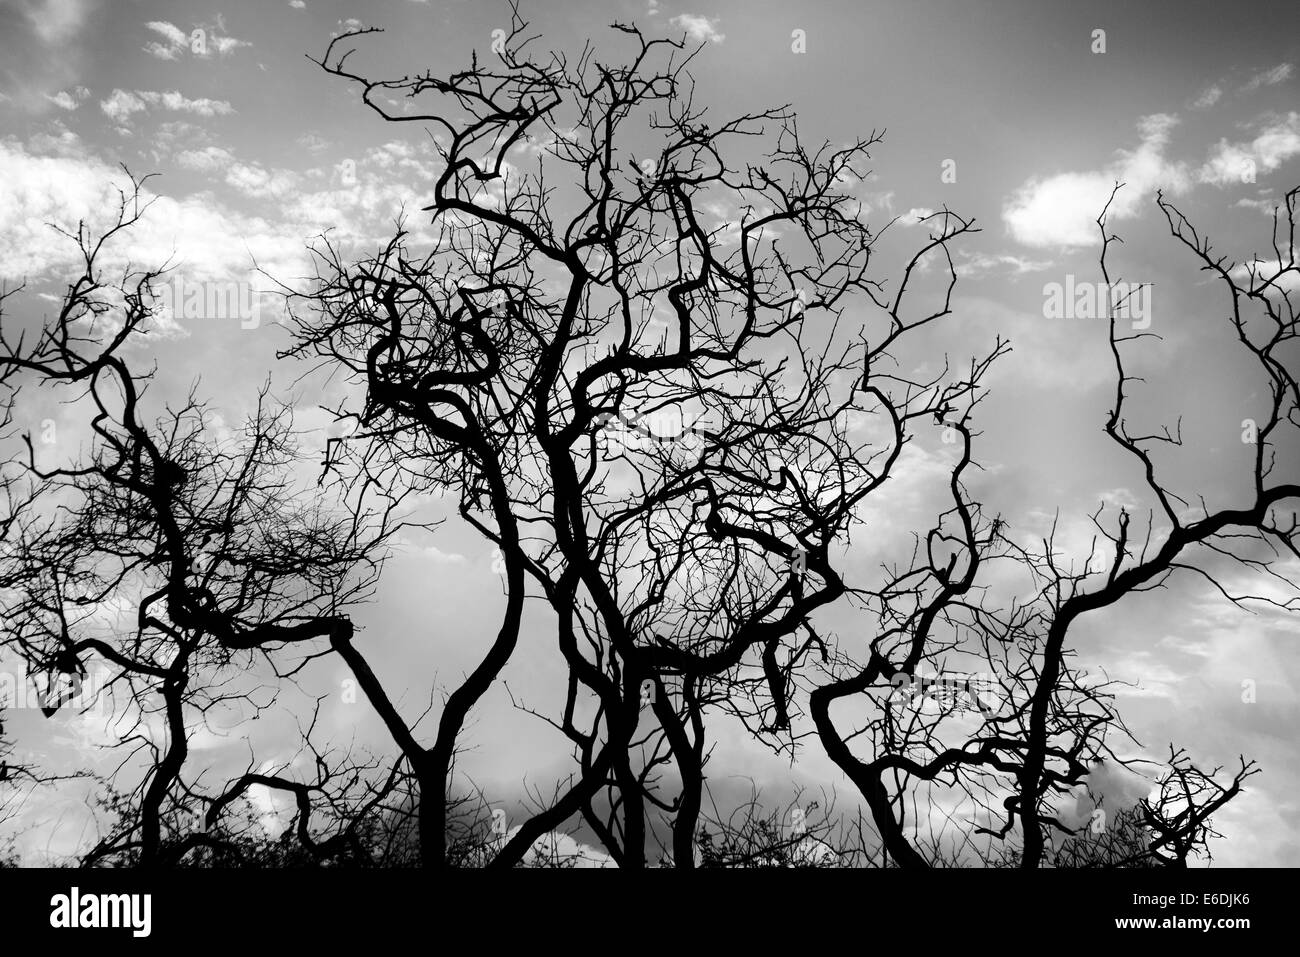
69 101
174 40
58 141
1276 142
555 848
207 160
699 29
1273 278
1109 786
254 180
1062 210
224 45
203 239
40 190
53 178
122 104
203 41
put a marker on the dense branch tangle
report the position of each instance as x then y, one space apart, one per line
1054 722
649 282
661 385
200 544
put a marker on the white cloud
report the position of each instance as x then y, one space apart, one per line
313 143
63 100
431 552
1276 75
1062 210
1208 97
439 557
207 160
1243 161
1273 277
173 34
1110 786
259 182
176 41
53 179
121 104
39 190
204 240
297 4
970 265
60 141
224 45
169 135
555 847
173 100
159 50
1265 205
699 29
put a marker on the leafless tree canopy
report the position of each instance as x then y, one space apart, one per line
668 429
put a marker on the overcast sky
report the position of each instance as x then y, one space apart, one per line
258 151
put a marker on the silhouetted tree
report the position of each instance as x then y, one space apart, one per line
1052 723
642 405
202 544
622 348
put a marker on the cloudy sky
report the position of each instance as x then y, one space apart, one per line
1019 114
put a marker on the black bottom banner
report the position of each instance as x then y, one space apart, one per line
231 907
